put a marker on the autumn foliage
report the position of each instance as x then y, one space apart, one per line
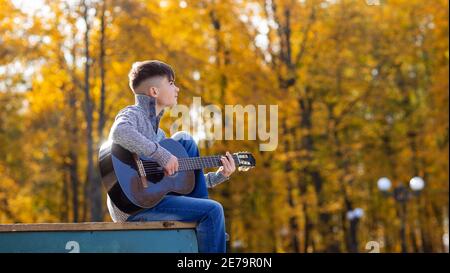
362 93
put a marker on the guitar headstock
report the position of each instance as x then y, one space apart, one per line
245 161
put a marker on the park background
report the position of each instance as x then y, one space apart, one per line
362 94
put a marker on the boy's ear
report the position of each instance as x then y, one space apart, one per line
153 91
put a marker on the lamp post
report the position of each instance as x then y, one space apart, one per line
401 195
354 216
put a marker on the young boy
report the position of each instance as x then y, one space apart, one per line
136 128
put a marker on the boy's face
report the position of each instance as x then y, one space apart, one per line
167 93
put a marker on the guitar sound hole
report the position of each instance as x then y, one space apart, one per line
155 176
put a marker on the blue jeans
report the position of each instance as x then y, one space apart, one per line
194 207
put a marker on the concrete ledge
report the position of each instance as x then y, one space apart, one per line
129 237
90 226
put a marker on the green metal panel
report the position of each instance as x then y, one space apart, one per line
170 240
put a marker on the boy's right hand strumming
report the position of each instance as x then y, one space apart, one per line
171 166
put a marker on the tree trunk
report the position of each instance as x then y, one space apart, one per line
91 182
73 157
293 221
312 173
101 114
64 210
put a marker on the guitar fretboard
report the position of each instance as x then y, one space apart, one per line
197 163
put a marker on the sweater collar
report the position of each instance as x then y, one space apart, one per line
148 104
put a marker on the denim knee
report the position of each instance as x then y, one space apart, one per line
182 135
216 209
187 141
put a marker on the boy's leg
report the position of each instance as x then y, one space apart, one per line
188 142
206 212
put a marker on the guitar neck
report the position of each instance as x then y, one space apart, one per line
198 163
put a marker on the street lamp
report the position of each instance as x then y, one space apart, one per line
402 194
416 184
384 184
353 216
357 213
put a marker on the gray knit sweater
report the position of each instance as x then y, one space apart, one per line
136 128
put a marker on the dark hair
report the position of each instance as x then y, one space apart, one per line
141 71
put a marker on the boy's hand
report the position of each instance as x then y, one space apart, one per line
228 165
171 166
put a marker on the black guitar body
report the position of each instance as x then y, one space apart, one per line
121 177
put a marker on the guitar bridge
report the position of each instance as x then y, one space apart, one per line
141 171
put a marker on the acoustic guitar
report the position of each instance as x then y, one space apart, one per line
135 183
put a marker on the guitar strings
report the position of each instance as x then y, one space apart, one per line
150 168
190 162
